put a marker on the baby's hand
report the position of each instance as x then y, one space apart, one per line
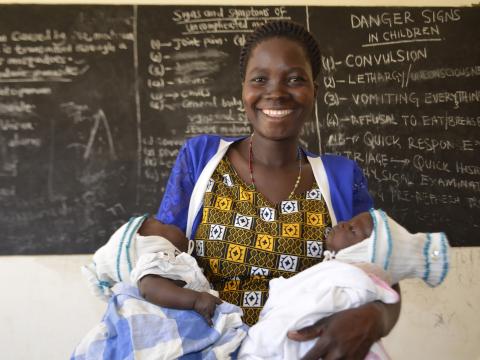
205 305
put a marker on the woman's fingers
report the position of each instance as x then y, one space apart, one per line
307 333
345 335
318 351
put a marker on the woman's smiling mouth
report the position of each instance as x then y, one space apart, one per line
276 113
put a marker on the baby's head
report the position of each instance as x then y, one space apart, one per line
374 237
347 233
152 226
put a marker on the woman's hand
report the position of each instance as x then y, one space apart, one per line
349 334
205 304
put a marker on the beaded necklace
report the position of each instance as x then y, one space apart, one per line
250 167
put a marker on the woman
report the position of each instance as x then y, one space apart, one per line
259 207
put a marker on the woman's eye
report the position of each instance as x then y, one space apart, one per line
258 79
296 79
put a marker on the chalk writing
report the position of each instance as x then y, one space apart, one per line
402 101
58 152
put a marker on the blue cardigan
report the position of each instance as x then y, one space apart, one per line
341 181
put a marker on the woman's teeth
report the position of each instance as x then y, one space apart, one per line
277 113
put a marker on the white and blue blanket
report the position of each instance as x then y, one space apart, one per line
133 328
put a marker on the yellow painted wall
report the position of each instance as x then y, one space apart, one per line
46 307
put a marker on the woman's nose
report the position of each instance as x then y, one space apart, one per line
276 89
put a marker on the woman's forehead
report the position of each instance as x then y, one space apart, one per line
279 49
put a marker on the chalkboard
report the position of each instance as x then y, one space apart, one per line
95 102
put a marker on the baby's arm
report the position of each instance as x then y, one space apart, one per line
167 293
171 293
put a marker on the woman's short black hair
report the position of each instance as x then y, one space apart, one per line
285 29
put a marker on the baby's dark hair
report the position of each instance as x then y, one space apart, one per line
285 29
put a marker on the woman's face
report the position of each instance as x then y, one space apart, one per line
278 91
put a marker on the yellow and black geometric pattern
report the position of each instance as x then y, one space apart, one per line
243 240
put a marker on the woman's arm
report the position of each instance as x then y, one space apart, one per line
176 197
349 334
168 293
390 312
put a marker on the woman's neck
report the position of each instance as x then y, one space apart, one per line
271 153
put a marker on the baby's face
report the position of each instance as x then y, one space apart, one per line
348 233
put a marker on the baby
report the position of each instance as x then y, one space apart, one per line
367 254
374 238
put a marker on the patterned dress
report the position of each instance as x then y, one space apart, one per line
244 240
